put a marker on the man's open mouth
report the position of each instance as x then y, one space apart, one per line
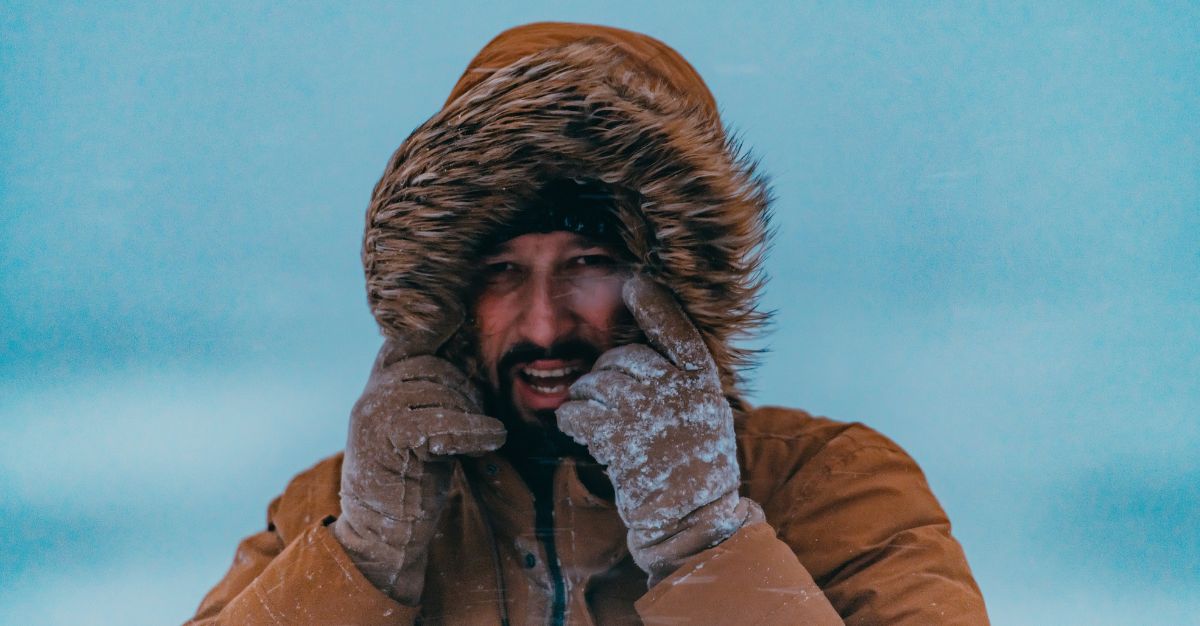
549 378
538 379
545 383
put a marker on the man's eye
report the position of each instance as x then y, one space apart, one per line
501 267
593 260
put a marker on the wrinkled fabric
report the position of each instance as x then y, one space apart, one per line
852 535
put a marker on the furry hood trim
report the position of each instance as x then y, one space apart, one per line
693 210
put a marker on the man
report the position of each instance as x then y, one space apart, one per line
553 431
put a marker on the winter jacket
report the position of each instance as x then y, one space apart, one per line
852 534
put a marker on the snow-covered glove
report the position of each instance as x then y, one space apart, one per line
657 417
416 412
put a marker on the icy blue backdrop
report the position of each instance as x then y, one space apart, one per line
988 248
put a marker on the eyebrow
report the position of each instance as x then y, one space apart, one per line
597 246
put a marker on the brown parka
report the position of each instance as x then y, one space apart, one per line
852 535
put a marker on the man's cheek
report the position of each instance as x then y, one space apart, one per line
489 358
597 298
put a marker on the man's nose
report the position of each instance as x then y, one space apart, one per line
546 317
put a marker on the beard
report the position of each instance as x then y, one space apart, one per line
535 445
535 433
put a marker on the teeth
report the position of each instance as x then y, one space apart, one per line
555 373
549 390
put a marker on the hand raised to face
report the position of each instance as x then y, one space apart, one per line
657 416
416 412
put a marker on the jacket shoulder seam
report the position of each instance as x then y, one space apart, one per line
839 459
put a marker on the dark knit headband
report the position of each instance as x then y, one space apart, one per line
586 207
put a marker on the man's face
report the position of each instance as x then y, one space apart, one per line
547 309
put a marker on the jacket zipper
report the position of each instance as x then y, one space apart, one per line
544 530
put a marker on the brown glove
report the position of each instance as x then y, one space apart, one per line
416 412
657 417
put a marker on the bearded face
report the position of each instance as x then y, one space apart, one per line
549 304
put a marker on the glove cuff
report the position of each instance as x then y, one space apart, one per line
659 552
397 571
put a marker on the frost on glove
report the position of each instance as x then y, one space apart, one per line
657 417
416 412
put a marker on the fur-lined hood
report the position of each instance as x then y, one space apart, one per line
587 103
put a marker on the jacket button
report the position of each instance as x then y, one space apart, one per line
491 469
530 561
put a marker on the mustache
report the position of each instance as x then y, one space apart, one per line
567 350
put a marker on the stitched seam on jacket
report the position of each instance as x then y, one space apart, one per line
266 605
830 465
332 555
844 459
746 440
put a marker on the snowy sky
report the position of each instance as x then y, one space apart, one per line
988 248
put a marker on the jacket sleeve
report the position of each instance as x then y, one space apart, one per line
855 537
308 580
750 578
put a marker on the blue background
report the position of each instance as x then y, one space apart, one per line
988 249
